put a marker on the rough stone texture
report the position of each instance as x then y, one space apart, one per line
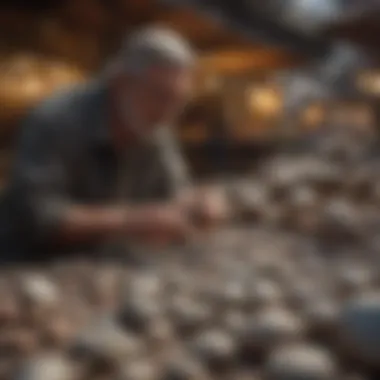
300 363
297 268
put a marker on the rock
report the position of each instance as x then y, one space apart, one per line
289 171
359 184
47 367
300 292
340 222
161 332
270 328
188 316
145 284
137 313
106 342
183 367
354 376
234 322
245 375
303 197
57 332
264 293
231 294
359 329
39 291
19 341
103 290
215 348
353 279
300 362
249 200
139 370
322 318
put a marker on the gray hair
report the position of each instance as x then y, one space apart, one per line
154 46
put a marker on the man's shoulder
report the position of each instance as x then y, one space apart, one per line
60 105
60 115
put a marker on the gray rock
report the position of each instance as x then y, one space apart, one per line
106 341
183 367
231 294
188 315
39 290
359 329
47 367
300 362
270 328
265 293
353 279
141 369
300 291
322 317
143 284
137 313
214 348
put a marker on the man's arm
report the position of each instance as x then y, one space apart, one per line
40 187
205 205
42 203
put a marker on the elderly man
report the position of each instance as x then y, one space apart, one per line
99 162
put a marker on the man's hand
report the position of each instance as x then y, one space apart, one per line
154 224
207 207
159 224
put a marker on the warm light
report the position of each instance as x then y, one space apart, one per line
227 61
212 83
369 82
313 116
265 102
364 117
194 134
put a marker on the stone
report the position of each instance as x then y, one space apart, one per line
47 367
300 362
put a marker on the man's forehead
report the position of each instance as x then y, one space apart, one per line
168 73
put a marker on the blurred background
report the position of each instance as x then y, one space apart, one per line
251 78
286 119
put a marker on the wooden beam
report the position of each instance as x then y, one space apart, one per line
238 61
200 30
363 31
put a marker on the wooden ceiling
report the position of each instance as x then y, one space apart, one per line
222 49
108 20
130 13
363 30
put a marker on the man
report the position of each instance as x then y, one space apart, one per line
99 162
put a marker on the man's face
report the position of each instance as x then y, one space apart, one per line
155 97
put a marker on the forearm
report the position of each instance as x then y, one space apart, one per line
96 223
82 224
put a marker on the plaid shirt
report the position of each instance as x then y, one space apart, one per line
66 156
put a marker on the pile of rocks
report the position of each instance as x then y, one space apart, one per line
259 304
290 291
